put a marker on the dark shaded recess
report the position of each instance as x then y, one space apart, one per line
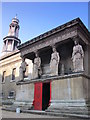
45 95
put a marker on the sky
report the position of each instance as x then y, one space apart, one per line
39 17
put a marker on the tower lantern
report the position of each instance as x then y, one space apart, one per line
11 41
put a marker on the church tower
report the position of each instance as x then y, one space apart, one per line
11 41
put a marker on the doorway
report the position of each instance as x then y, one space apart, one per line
42 95
45 95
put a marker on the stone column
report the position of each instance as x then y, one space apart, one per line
6 44
4 47
12 45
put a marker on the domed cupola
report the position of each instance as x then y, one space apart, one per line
11 41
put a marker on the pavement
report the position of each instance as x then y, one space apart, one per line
9 114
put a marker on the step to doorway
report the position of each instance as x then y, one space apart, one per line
53 113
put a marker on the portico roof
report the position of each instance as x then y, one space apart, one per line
67 25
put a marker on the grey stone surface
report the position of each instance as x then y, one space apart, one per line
70 95
24 94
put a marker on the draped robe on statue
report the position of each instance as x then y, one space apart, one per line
37 67
77 58
54 63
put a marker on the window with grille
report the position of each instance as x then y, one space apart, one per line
11 94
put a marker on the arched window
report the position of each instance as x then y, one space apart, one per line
13 73
3 76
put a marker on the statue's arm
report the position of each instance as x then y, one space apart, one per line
73 54
39 62
58 57
51 57
82 52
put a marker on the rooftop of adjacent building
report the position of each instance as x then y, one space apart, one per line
9 54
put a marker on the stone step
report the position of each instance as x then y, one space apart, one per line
13 108
57 114
69 108
70 111
53 113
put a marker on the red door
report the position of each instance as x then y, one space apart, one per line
42 95
38 96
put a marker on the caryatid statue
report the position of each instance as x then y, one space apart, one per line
37 67
22 69
77 57
54 62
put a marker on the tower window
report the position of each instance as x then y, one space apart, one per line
3 76
13 73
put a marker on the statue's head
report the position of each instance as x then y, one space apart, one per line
54 48
36 54
76 42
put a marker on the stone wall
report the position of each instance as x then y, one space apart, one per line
25 92
24 95
8 64
70 89
70 95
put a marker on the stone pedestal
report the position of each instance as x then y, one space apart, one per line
24 95
70 94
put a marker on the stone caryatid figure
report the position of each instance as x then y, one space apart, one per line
22 69
54 62
37 67
77 57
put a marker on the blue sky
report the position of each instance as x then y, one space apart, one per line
37 18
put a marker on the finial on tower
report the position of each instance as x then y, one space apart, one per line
16 16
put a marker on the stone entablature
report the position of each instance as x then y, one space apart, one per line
11 57
61 33
64 27
13 38
49 79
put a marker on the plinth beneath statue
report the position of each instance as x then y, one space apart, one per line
67 93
